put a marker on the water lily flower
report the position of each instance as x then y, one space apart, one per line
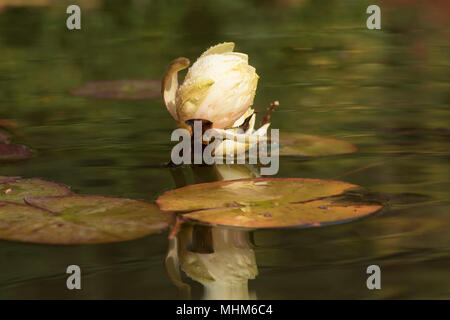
225 272
219 88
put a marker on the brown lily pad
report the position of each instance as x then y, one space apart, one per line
307 214
10 151
8 124
3 136
131 89
266 203
298 144
80 219
6 178
14 189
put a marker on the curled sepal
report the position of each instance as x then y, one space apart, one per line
169 85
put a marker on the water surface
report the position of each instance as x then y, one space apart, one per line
387 91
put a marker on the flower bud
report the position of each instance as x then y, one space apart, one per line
219 87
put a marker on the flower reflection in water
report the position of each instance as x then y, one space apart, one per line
221 259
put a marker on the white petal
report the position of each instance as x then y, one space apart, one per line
219 48
262 131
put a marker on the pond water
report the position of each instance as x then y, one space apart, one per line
387 91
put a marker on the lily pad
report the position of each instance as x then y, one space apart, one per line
3 136
297 144
10 151
257 191
6 178
131 89
266 202
308 214
13 189
80 219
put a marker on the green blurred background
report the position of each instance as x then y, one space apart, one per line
387 91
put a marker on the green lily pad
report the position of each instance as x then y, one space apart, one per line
266 202
307 214
80 219
297 144
13 189
257 191
132 89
